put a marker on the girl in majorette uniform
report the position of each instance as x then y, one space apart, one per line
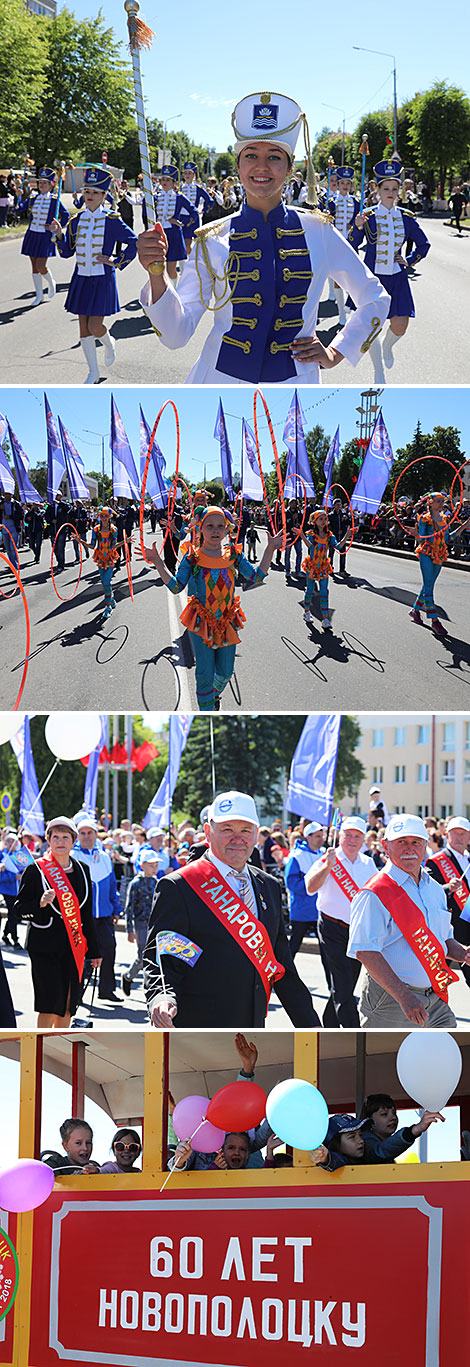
261 270
213 615
433 539
93 235
198 198
386 227
104 544
317 564
175 215
343 208
37 242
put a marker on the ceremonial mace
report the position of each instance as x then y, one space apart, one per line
140 36
364 151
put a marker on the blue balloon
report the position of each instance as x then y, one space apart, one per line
298 1113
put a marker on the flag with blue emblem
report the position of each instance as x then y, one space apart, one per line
125 478
155 486
55 456
331 459
21 858
31 813
297 459
159 812
74 465
171 942
220 434
313 769
7 479
375 471
26 490
91 781
252 487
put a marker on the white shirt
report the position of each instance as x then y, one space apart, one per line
90 236
231 877
373 928
331 899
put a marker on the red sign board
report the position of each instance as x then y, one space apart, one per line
228 1279
8 1284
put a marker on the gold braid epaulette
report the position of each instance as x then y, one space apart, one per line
317 213
208 228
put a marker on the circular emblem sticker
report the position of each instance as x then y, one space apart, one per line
8 1274
225 806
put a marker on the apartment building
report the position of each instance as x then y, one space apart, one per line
420 761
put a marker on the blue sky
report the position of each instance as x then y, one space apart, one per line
197 410
204 58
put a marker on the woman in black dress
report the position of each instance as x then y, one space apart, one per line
56 976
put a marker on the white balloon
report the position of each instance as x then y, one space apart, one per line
72 735
429 1064
10 722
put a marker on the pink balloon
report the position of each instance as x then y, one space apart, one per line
25 1185
186 1118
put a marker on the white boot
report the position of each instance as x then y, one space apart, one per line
88 345
390 340
109 348
339 296
50 285
39 290
375 352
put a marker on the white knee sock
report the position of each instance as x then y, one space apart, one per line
37 279
375 352
88 345
109 349
390 340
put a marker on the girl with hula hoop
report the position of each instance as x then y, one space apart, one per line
433 536
317 564
104 544
213 615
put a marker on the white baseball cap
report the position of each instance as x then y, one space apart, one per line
403 823
233 806
87 821
458 823
154 830
354 823
313 828
61 821
149 857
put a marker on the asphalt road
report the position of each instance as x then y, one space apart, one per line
133 1011
141 659
42 345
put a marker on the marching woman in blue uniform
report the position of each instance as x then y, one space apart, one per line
92 235
37 242
176 216
198 197
433 540
343 208
386 227
261 270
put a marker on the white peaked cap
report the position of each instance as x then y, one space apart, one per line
267 117
403 823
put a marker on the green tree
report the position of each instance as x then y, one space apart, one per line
440 129
89 99
331 145
432 474
225 165
378 124
23 57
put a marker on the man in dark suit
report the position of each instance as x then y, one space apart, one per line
225 987
455 879
56 515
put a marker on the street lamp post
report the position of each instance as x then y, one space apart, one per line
338 111
376 53
167 121
92 433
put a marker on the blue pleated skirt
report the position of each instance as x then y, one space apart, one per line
93 295
37 244
176 247
401 298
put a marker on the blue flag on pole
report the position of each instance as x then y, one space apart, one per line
220 433
91 781
55 455
26 490
252 487
125 478
312 775
31 813
297 459
375 471
331 459
155 486
74 466
158 813
7 478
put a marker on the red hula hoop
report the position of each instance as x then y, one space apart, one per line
278 467
128 564
304 486
175 481
334 485
27 625
239 496
457 472
146 469
418 462
69 596
6 529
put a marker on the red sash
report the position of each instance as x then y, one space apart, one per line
449 871
69 908
344 880
411 922
242 925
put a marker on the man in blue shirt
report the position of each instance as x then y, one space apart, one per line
106 905
302 908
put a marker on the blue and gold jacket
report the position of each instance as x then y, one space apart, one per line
115 230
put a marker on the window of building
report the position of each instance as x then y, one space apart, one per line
397 810
400 735
446 810
422 773
467 736
378 773
448 735
377 739
466 772
422 810
400 773
423 735
448 771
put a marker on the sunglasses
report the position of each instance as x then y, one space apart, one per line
131 1148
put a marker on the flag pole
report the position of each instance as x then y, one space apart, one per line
140 36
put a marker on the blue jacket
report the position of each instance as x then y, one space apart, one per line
301 906
376 1150
105 894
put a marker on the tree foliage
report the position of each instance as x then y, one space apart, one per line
225 165
23 57
432 474
440 129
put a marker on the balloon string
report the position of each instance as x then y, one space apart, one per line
174 1168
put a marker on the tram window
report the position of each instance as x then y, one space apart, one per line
10 1094
99 1083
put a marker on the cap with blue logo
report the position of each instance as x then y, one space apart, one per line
345 172
98 178
233 806
47 173
404 823
274 118
190 166
387 170
343 1124
170 171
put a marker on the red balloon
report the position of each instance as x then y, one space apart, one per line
237 1107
